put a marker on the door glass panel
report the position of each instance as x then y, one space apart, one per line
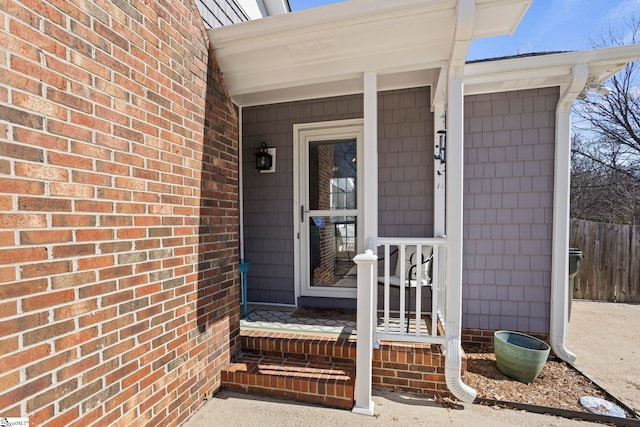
332 187
332 175
332 246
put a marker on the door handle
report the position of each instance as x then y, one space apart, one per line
301 213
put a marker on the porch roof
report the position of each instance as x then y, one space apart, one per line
325 51
555 69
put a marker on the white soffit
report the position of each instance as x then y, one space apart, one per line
324 51
531 72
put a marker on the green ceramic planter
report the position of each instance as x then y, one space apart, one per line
520 357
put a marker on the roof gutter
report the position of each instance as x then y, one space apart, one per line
466 10
561 190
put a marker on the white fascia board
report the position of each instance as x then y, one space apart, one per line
545 70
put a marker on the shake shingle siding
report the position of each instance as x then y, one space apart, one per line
268 198
405 152
508 207
405 163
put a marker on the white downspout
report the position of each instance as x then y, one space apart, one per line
454 195
453 304
561 189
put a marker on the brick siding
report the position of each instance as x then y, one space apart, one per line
484 337
118 213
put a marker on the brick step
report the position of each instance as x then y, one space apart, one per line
320 382
332 349
416 368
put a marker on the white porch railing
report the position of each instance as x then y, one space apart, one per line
397 329
372 328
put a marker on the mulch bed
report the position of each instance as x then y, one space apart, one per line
558 385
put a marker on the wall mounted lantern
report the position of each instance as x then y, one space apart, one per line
595 88
265 159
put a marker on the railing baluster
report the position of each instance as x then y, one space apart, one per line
435 271
419 275
443 287
402 261
386 288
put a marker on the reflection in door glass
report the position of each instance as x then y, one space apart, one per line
332 246
332 175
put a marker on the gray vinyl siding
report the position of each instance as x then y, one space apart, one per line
508 207
405 152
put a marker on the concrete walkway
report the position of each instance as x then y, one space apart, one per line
229 409
606 340
604 336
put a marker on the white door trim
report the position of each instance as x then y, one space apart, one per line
329 129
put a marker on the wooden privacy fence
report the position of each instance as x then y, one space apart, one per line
610 267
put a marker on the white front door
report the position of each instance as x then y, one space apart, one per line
329 212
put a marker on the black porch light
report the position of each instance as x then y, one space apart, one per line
264 160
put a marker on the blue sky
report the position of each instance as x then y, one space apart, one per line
548 25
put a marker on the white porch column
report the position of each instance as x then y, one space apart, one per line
455 169
370 157
366 262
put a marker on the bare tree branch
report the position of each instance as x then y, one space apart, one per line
605 159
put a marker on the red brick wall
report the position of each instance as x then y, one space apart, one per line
118 213
416 368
